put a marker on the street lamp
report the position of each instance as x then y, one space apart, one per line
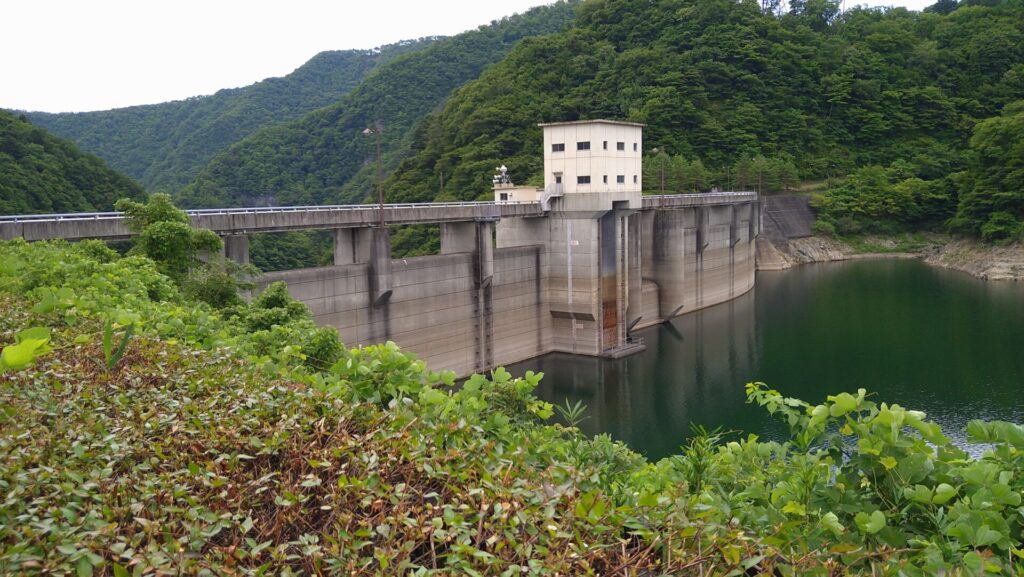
655 152
375 130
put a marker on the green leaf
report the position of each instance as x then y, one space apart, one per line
831 522
919 494
974 562
841 404
943 493
23 354
34 333
794 508
83 567
870 524
431 396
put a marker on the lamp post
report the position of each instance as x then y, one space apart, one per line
655 151
375 131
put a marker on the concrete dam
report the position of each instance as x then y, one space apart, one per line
512 282
579 279
576 266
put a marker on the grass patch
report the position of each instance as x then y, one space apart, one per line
900 243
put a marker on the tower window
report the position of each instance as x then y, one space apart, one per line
560 147
634 147
621 179
620 146
634 179
585 145
582 180
606 179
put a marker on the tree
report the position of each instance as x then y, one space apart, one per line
165 235
698 176
992 197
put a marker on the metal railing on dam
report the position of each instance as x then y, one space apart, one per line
696 199
110 225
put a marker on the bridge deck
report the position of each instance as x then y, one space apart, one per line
110 225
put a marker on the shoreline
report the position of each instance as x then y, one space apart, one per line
985 262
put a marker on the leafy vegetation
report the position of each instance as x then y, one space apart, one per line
664 173
291 250
191 257
992 189
987 195
40 173
875 199
724 81
165 145
166 236
323 157
244 441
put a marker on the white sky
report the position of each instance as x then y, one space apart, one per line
77 55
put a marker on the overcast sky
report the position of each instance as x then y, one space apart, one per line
77 55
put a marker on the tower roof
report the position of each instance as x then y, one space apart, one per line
595 121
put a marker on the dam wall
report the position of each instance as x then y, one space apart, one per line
437 309
579 280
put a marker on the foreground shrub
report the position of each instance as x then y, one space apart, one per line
198 453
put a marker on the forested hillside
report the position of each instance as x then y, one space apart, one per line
312 160
40 173
165 145
815 91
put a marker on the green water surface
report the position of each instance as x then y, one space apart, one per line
926 338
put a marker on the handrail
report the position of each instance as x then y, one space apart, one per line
79 216
703 194
257 210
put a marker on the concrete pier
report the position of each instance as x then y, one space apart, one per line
236 248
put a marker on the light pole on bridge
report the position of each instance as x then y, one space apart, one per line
375 130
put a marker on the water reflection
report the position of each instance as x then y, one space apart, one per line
926 338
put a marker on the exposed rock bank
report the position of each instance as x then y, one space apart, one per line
786 241
780 255
970 256
983 261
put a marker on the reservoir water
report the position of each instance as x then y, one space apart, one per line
929 339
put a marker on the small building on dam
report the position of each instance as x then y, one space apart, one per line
576 266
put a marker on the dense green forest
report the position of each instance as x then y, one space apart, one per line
165 145
324 157
40 173
753 97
